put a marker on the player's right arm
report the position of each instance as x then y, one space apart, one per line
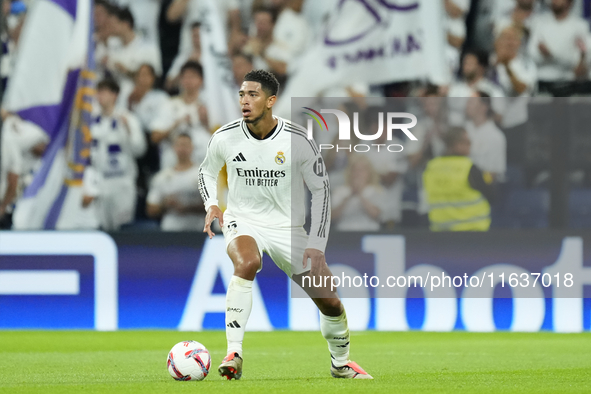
208 183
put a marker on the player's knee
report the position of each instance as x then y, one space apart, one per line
248 264
331 306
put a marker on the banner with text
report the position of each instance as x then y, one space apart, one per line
51 280
372 42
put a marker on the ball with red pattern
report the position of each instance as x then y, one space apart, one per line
188 360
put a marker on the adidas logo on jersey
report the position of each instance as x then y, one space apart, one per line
240 157
233 324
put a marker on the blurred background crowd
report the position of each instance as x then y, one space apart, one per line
508 59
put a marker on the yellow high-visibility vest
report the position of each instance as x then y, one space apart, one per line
453 204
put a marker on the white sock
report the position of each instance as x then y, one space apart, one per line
238 306
336 332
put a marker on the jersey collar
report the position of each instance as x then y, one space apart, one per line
251 136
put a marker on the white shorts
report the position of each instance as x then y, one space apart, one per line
285 246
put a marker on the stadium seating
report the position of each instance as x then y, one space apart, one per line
526 208
579 204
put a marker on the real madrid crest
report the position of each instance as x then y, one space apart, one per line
280 158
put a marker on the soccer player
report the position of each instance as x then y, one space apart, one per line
268 160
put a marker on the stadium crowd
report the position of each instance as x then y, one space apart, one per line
151 125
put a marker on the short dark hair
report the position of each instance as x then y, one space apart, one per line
125 15
110 84
269 10
195 25
192 65
267 80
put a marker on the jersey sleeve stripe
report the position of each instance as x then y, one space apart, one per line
324 216
296 131
202 187
229 125
221 131
296 127
314 149
321 230
327 219
291 128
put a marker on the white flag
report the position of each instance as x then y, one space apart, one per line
53 87
373 42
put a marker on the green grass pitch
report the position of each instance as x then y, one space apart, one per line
298 362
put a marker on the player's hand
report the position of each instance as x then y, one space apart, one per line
317 258
213 212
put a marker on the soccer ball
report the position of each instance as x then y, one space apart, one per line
188 360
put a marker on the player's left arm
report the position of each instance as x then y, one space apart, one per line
316 178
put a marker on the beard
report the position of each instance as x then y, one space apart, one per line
255 120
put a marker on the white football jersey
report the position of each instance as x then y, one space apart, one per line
266 178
